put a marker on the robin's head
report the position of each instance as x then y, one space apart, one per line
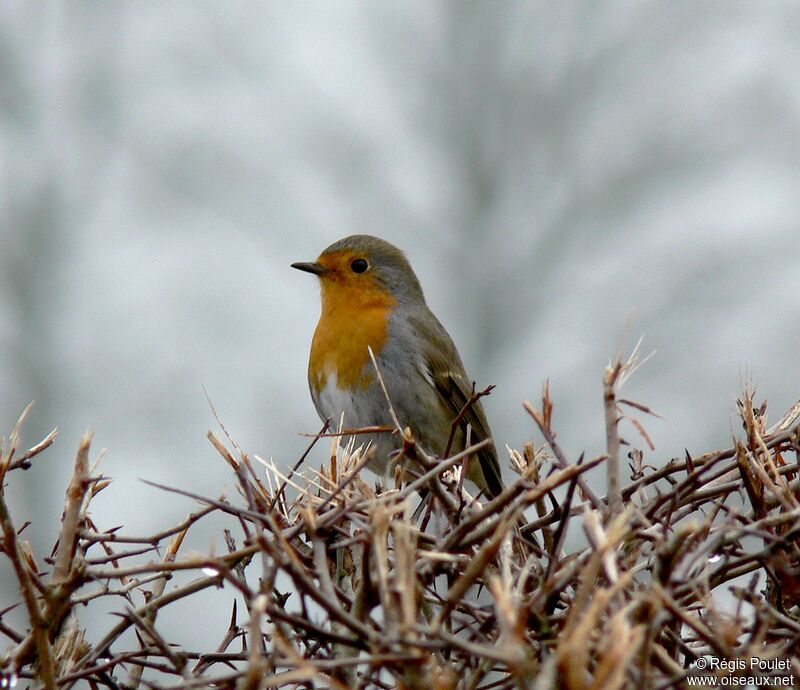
361 267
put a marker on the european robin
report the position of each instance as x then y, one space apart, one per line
371 298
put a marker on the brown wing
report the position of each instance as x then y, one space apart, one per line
450 382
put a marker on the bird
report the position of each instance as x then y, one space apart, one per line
371 299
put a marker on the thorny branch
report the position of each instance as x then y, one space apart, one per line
333 584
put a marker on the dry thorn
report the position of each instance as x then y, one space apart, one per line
343 588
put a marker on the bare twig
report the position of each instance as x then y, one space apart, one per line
345 586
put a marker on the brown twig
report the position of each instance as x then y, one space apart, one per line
373 595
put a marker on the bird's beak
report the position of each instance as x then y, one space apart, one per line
310 267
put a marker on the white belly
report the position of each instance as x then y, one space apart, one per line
346 411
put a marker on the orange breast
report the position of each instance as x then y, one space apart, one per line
353 318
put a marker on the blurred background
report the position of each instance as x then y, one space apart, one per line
564 177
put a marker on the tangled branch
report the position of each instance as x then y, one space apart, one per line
333 583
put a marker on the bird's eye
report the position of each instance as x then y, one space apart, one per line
359 266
